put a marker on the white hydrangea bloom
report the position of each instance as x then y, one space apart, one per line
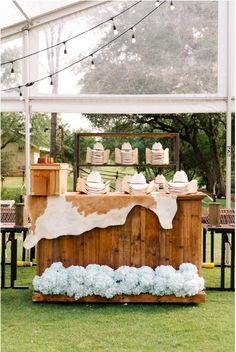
78 282
165 271
177 285
188 267
159 286
146 275
127 279
104 285
58 266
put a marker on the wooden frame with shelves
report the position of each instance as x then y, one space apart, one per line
173 136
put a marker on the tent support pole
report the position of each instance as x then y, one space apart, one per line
27 111
229 102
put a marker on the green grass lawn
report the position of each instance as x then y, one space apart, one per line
222 202
55 327
117 327
100 327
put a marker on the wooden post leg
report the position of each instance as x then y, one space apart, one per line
23 249
212 246
222 269
232 261
204 246
13 259
32 254
3 260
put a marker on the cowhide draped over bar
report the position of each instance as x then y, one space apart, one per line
74 214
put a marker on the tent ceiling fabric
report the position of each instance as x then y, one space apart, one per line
69 8
220 101
145 103
39 8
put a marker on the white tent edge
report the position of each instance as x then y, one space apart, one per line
131 104
111 104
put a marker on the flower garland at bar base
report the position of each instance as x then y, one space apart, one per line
101 280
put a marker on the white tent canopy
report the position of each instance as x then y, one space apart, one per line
38 99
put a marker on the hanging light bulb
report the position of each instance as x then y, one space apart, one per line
51 82
133 37
157 3
12 67
92 63
115 31
20 93
172 5
65 50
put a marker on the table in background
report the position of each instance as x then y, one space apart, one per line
225 230
11 229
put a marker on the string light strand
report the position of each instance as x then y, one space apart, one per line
89 55
71 38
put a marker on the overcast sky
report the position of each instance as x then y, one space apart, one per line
76 121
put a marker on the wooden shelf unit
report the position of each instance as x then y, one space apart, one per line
173 136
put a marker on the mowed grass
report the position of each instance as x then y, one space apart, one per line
116 327
99 327
43 327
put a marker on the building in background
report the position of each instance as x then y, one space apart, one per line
13 157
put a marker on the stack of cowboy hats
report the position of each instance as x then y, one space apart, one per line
93 184
138 184
126 156
181 185
160 181
97 155
157 156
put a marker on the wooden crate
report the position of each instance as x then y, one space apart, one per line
140 241
48 179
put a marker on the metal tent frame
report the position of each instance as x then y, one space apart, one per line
223 101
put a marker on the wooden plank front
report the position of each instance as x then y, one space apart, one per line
140 241
142 298
115 240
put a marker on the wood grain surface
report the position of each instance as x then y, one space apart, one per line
143 298
140 241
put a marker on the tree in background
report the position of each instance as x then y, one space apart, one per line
9 79
38 136
52 36
12 128
175 52
13 131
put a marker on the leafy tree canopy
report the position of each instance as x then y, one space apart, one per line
175 52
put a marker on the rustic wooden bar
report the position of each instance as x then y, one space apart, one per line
140 241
